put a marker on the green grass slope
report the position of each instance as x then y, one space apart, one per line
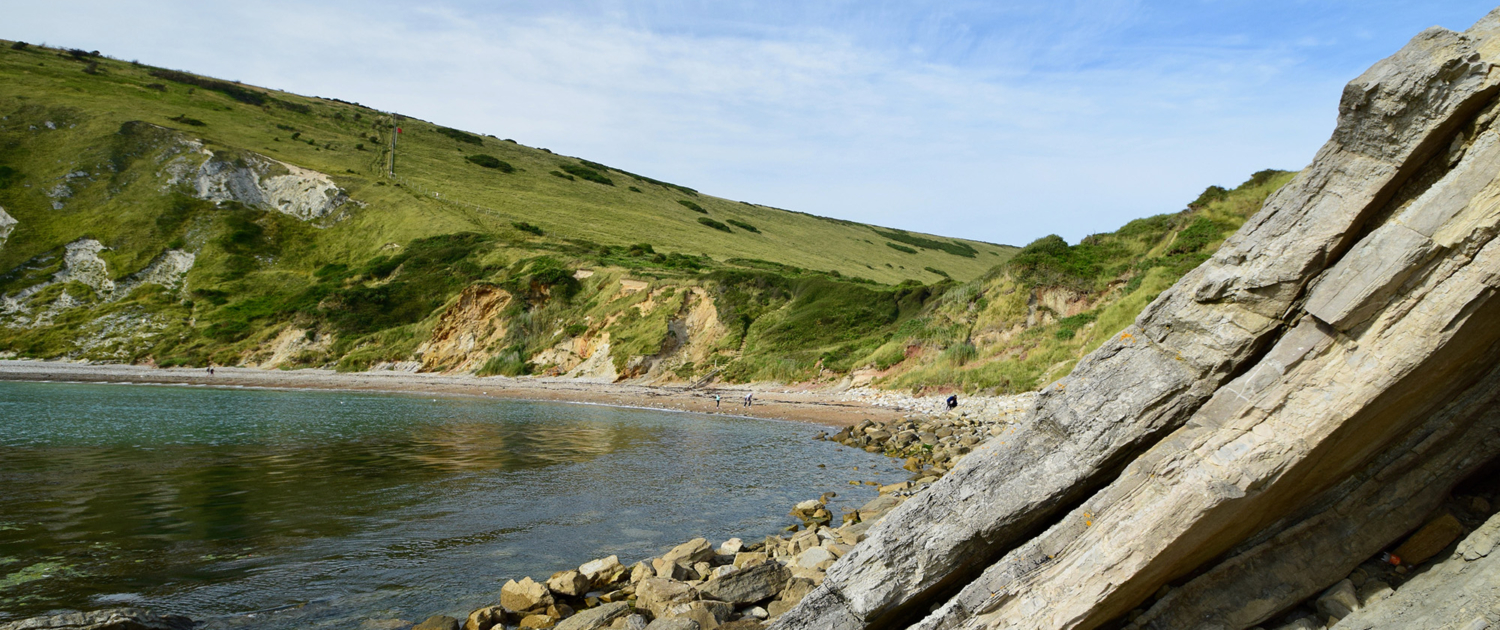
448 180
1029 320
111 155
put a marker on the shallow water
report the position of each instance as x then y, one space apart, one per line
314 509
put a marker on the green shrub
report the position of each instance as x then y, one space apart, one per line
634 189
8 176
490 161
743 226
961 354
952 247
586 173
194 122
641 249
1069 326
461 136
692 206
561 174
1210 195
901 248
715 224
20 46
527 227
938 272
236 92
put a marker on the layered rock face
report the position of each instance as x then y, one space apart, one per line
1298 403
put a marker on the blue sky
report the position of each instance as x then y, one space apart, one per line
999 121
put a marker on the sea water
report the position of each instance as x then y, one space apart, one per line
262 508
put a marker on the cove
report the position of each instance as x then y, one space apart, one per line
261 508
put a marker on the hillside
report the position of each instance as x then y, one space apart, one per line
262 207
158 217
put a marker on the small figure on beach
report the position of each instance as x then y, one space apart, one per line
953 402
748 397
716 401
210 370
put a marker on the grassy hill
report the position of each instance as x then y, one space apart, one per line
160 217
92 97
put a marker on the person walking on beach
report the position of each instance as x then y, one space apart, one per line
716 401
748 397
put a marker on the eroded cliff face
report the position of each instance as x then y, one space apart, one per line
1314 389
467 331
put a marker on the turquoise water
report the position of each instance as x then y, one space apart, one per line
256 508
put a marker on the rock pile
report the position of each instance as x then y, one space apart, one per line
735 586
936 441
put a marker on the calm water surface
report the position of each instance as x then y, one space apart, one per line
253 508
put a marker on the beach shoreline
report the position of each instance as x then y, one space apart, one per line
775 402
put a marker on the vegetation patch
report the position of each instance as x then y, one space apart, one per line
527 227
952 247
743 226
586 173
901 248
461 136
715 225
692 206
490 161
237 92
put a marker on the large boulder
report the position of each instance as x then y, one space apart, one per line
595 618
656 594
748 585
1332 353
603 571
526 595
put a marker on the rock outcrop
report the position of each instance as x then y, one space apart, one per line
256 181
7 225
1292 406
82 264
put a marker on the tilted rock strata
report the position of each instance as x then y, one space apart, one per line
1294 560
1398 204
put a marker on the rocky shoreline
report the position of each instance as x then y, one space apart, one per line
741 585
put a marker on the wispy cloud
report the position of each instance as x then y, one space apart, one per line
998 121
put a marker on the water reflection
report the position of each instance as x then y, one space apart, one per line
217 502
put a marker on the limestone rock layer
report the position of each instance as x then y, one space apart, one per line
1312 389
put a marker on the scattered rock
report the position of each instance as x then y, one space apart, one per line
569 583
485 618
602 571
526 595
656 594
749 585
1435 536
595 618
537 621
674 623
439 622
1339 601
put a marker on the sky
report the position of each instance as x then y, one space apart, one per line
1001 121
